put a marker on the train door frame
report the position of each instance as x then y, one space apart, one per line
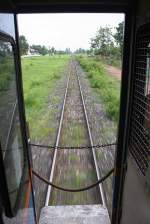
124 120
129 11
21 105
3 186
120 162
9 211
132 160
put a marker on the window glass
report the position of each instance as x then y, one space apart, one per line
7 23
10 134
7 89
14 160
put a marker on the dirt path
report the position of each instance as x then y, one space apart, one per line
116 72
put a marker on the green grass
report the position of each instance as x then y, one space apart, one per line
113 62
106 86
6 73
73 158
76 132
40 76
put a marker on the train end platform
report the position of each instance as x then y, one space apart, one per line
75 214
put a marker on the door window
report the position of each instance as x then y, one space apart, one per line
10 134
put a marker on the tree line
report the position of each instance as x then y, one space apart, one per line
106 43
25 48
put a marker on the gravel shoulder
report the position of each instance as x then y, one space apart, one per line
42 158
103 131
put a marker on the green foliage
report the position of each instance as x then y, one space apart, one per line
40 49
39 79
73 157
80 51
108 87
51 51
109 45
68 51
119 35
6 73
102 42
23 45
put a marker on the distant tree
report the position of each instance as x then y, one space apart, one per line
119 35
51 51
43 50
40 49
23 45
4 49
89 52
80 51
68 51
60 52
102 42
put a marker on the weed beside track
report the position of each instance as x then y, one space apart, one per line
107 87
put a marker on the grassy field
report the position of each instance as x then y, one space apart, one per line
40 76
106 86
6 70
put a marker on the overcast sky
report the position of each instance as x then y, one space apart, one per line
65 30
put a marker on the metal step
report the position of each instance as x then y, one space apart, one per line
74 214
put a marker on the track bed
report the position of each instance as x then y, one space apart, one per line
74 168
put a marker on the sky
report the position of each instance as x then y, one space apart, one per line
65 30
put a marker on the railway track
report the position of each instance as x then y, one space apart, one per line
75 168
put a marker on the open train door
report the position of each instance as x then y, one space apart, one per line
136 194
16 193
132 201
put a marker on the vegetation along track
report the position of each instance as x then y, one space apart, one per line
74 168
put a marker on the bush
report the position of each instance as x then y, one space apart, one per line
108 87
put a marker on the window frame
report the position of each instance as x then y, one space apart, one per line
129 10
147 81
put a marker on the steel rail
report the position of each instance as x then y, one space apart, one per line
56 145
91 142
